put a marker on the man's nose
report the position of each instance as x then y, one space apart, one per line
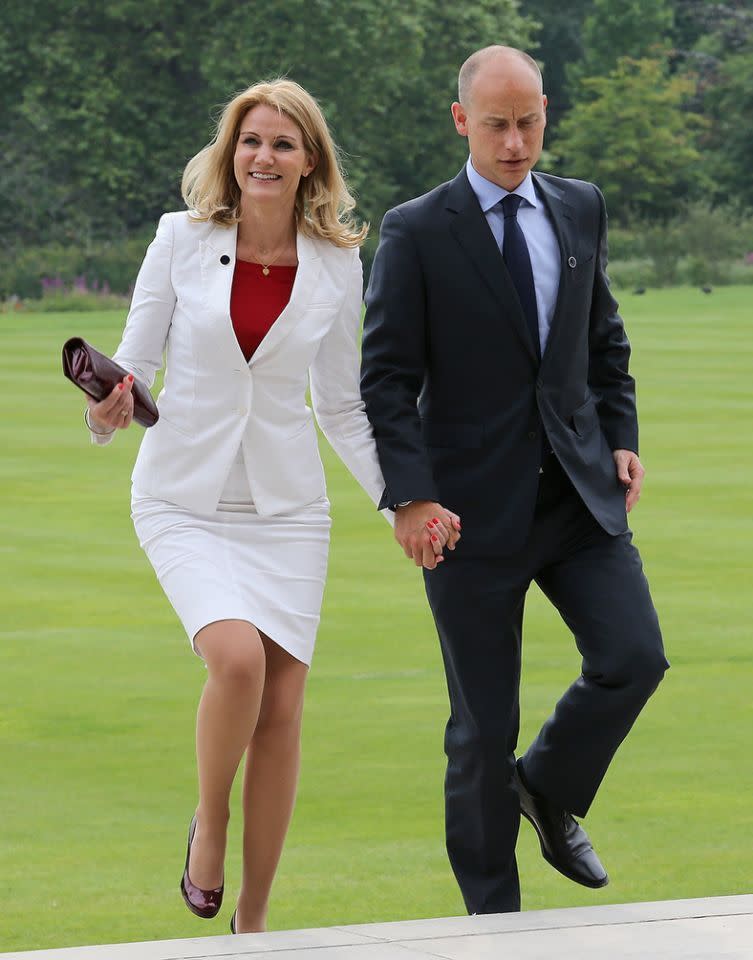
513 140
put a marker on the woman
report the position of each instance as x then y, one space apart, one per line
254 291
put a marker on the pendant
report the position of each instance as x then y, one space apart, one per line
265 271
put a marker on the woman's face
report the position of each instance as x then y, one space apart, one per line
269 158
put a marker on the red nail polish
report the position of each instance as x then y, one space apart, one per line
130 378
430 523
120 386
435 520
434 536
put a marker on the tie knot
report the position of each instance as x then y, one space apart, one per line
510 204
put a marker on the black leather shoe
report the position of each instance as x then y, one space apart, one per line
564 843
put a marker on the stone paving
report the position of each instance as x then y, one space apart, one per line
717 928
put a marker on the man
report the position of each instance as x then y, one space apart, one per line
495 375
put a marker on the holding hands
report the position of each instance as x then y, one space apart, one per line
114 412
423 529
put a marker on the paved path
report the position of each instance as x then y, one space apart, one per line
718 928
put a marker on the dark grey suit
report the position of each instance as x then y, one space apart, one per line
458 401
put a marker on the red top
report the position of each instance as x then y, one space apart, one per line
257 301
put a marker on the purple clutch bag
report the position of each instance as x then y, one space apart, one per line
97 375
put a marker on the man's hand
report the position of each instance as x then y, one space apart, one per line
630 473
423 529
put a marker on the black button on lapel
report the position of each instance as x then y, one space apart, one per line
225 259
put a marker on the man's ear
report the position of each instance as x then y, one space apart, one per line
460 117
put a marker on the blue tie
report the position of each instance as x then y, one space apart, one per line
515 255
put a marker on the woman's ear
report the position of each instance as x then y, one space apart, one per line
311 162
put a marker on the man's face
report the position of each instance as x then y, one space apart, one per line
504 121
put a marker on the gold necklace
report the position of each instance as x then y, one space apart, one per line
265 266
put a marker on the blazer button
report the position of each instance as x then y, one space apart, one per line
531 434
224 259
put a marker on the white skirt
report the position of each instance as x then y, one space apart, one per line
237 565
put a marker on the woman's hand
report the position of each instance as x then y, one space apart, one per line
115 411
423 529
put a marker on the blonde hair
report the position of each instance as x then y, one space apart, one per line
323 202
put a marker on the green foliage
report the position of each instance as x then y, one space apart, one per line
630 135
559 45
104 103
699 245
68 301
729 148
109 265
629 28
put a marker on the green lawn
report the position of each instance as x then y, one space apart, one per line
98 687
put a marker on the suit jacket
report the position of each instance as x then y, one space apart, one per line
214 401
450 375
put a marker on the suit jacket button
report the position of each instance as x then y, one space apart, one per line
224 259
531 434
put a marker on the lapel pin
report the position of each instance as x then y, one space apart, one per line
572 262
225 259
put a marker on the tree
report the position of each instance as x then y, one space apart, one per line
559 47
630 136
729 152
104 103
629 28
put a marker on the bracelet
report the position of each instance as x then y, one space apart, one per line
99 433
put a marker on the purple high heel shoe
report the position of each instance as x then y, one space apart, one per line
204 903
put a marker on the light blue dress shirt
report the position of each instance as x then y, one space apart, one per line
541 239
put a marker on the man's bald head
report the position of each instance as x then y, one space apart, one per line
498 56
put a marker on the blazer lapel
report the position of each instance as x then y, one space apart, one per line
561 215
304 287
469 226
217 256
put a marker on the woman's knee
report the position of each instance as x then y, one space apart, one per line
233 652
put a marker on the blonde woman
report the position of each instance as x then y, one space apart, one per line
254 292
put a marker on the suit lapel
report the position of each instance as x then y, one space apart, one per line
468 225
562 219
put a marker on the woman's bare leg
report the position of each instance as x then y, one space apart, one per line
270 782
225 722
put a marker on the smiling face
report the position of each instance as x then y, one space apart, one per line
504 120
270 158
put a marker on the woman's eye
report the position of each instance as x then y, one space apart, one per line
284 145
250 140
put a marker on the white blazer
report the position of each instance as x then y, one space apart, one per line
214 401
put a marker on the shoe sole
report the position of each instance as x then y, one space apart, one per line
593 885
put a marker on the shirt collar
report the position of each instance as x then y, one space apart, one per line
489 194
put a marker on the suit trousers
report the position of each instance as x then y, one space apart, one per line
597 584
